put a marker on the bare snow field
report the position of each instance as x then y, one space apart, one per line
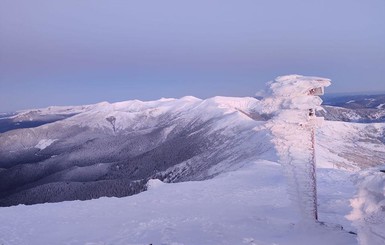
247 206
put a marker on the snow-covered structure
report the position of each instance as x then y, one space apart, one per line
292 101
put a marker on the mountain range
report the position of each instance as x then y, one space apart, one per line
113 149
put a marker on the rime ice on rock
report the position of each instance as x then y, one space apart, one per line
292 101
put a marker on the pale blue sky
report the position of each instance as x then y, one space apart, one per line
79 52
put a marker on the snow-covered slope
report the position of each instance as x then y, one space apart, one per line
361 115
247 206
124 144
368 213
355 108
351 146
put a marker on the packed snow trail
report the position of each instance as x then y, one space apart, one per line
291 101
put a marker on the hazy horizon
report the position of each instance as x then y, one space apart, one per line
327 95
74 53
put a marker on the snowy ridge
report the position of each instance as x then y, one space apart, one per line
170 139
135 111
37 114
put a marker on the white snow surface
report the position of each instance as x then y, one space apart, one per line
44 143
341 145
154 183
134 114
368 214
247 206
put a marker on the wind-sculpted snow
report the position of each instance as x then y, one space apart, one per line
291 86
291 93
